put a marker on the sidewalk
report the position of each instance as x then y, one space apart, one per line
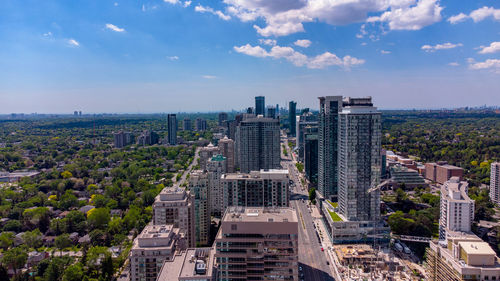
327 244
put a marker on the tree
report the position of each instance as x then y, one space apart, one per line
73 272
312 194
32 239
6 240
66 174
62 241
15 257
107 267
3 273
98 217
68 200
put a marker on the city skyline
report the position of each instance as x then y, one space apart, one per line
153 56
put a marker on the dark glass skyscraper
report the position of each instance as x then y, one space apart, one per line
292 119
260 105
329 108
172 129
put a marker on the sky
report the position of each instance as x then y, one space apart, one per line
144 56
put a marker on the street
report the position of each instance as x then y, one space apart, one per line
312 259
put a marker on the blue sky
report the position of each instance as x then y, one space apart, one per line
177 55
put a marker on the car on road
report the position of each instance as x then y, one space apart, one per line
322 250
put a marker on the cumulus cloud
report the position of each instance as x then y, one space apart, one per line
477 15
384 52
171 1
172 58
209 76
457 18
284 17
303 43
268 42
489 64
114 28
454 64
186 4
424 13
202 9
298 59
73 42
492 48
445 46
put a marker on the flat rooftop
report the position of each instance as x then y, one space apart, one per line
255 174
183 266
476 248
250 214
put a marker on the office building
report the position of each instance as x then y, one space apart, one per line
271 112
172 129
186 124
277 110
495 182
402 177
258 144
456 208
359 160
199 187
174 205
216 167
264 188
231 129
123 139
226 148
201 124
258 244
250 110
292 113
307 119
194 264
222 118
330 107
151 248
311 154
441 172
206 153
461 257
260 106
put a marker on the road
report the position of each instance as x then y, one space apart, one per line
312 260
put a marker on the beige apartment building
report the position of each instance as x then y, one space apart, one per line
462 257
257 244
151 248
194 264
174 205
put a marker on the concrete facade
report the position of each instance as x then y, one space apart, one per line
456 208
495 182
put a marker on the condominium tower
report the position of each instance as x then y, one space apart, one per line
198 186
329 109
260 105
495 182
456 208
359 160
292 113
172 129
258 142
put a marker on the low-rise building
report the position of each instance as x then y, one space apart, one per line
190 265
440 172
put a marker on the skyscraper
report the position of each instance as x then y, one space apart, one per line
330 107
258 146
199 187
172 129
260 105
495 182
216 167
201 124
311 154
186 124
359 160
292 108
226 147
304 120
271 112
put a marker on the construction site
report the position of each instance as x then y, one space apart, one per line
362 262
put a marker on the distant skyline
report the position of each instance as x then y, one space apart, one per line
155 56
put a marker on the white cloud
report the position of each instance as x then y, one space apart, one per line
143 8
363 44
186 4
284 17
384 52
405 17
73 42
489 64
485 12
298 59
303 43
445 46
268 42
454 64
457 18
171 1
114 28
115 4
173 58
209 76
477 15
492 48
218 13
48 34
